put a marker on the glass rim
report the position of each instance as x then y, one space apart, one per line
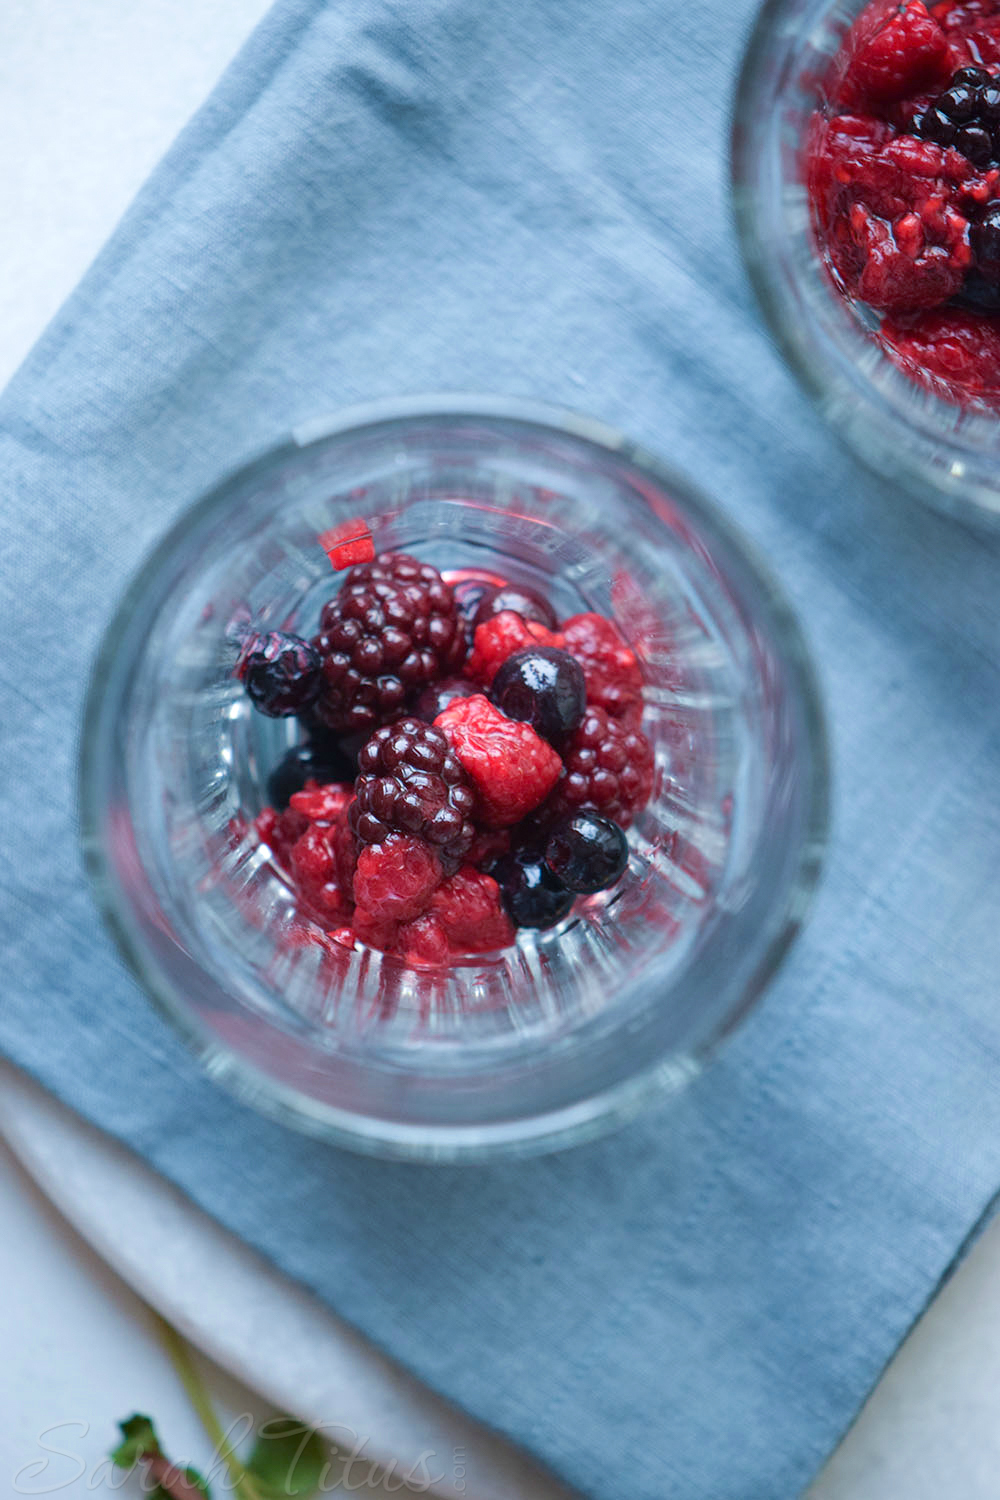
566 1124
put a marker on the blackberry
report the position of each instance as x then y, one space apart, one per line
545 688
984 238
609 770
392 628
281 674
410 782
531 894
965 115
587 853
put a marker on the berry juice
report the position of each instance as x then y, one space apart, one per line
903 173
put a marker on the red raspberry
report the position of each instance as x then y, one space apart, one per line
894 49
280 831
954 353
323 804
609 769
511 767
499 637
377 932
610 668
487 845
312 859
893 212
396 878
469 910
422 942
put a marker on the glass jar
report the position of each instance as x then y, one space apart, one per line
947 455
570 1029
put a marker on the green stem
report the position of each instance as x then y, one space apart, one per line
180 1358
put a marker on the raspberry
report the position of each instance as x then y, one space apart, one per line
611 672
499 637
411 782
422 942
894 213
954 353
323 804
280 830
609 770
392 628
281 673
311 857
487 846
894 49
511 767
377 932
470 912
396 878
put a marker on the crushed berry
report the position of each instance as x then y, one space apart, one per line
903 169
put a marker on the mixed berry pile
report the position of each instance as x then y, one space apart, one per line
470 763
904 180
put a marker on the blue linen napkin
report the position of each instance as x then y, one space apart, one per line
388 196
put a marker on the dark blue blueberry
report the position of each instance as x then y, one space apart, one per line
531 894
304 763
543 687
282 674
435 698
524 601
587 853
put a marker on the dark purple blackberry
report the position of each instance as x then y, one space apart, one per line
531 894
543 687
392 629
281 673
965 115
302 763
409 781
523 601
433 700
587 853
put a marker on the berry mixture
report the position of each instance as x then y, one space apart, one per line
469 762
903 170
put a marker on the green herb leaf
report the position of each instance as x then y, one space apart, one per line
288 1460
139 1440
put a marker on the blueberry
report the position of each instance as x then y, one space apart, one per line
282 674
304 763
958 102
436 697
542 687
984 239
974 76
532 895
587 853
524 601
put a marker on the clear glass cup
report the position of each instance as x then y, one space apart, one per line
571 1029
946 455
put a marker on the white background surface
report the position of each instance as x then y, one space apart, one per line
91 95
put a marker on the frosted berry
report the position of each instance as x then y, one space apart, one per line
531 894
302 763
517 597
411 782
499 637
392 628
511 768
587 853
542 687
396 879
609 770
281 674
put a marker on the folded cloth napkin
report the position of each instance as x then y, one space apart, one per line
389 196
